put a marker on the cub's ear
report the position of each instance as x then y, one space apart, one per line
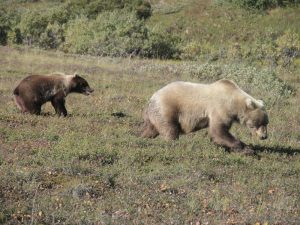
76 74
250 103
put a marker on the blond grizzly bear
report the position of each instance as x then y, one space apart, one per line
184 107
35 90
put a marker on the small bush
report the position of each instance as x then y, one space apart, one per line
261 4
161 45
191 51
60 15
288 47
78 36
262 83
33 24
117 33
144 10
8 19
14 36
52 37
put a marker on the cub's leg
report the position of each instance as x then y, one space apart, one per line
26 106
20 103
34 108
26 102
58 102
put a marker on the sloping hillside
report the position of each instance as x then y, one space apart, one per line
189 30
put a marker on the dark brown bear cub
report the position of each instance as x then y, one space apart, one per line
35 90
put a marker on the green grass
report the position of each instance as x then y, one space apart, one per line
93 168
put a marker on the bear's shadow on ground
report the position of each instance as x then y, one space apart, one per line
276 149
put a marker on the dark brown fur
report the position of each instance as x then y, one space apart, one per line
35 90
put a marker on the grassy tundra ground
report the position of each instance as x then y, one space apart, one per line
92 168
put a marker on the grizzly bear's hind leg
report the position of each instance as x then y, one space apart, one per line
149 131
169 131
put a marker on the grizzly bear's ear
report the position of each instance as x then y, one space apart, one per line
253 104
76 74
250 103
260 103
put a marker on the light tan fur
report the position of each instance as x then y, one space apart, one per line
184 107
63 82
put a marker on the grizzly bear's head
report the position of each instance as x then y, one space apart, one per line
256 118
80 85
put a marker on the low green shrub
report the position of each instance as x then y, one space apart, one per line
117 33
191 50
97 27
262 83
270 49
78 36
258 4
92 8
288 47
261 4
52 37
143 10
8 19
32 25
161 45
14 36
60 14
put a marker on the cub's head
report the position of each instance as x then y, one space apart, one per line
80 85
256 118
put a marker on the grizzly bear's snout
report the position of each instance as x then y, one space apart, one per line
88 91
263 137
257 122
261 132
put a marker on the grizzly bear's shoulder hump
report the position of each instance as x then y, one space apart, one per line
227 84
